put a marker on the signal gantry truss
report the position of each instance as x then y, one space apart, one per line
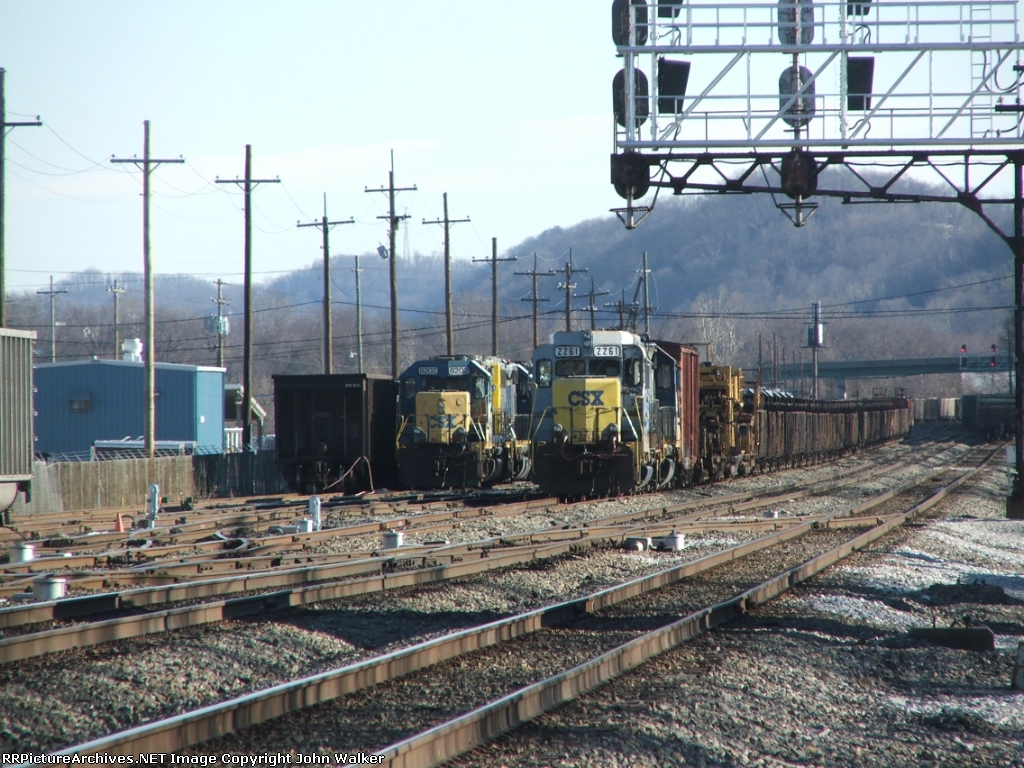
741 98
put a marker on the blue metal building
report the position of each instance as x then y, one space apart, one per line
82 401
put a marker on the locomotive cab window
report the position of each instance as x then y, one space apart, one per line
543 373
570 367
409 388
479 387
634 372
604 367
664 376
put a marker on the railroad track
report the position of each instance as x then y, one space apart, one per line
242 711
415 566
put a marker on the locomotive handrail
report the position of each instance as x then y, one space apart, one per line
401 429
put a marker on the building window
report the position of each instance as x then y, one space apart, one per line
80 402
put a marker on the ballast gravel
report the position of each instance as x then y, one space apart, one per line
826 675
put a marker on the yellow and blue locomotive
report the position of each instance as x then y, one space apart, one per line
613 413
458 423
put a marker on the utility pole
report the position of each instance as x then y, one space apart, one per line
815 340
221 302
117 291
325 227
393 221
534 298
248 184
53 317
146 165
359 315
620 306
449 321
647 299
592 308
494 292
4 125
568 285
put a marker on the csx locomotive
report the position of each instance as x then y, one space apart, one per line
613 413
616 413
458 423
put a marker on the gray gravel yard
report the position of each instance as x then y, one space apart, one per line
826 676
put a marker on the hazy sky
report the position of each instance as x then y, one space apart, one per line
505 106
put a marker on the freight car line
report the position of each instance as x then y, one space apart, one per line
450 739
76 607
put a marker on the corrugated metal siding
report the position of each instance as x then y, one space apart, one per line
115 393
210 408
16 440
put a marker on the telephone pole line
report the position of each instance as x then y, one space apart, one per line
4 125
494 292
146 165
449 320
592 308
53 317
248 184
221 302
393 221
534 298
325 226
117 291
568 285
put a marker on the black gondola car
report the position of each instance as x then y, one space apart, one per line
335 432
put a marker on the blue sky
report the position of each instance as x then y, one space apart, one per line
504 106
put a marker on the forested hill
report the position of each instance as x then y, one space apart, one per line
725 269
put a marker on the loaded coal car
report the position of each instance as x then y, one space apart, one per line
335 432
16 436
458 423
795 432
613 413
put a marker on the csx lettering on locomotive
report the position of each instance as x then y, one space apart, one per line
586 397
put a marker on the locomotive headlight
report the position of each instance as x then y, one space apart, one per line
560 435
459 435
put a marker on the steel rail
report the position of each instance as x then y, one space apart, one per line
459 735
448 740
70 608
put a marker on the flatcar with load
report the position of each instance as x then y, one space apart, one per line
458 423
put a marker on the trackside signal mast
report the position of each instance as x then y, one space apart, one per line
745 97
